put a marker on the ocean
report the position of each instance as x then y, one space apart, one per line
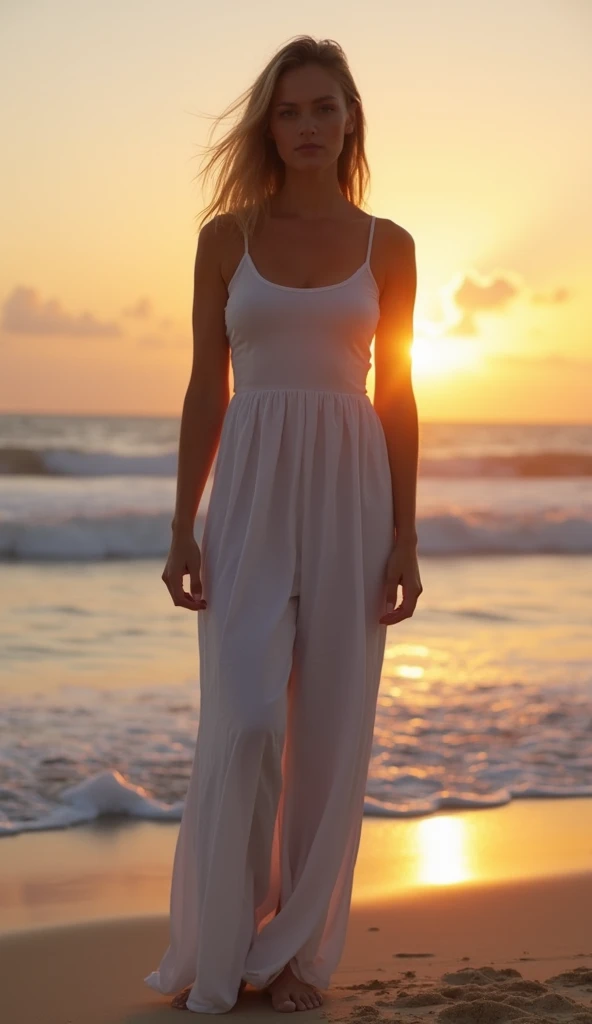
486 692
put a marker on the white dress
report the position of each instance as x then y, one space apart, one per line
297 535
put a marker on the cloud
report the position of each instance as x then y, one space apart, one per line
144 310
25 313
141 311
473 293
552 298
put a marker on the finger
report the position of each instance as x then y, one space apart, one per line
181 599
188 602
185 600
404 611
196 590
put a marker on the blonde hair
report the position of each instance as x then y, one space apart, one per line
245 164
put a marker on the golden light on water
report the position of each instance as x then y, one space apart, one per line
410 671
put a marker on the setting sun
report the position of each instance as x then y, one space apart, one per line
438 355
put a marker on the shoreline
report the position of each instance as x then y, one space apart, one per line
119 866
453 955
452 915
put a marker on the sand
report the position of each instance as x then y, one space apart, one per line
462 950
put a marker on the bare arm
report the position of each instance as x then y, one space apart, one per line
204 406
207 394
394 400
395 404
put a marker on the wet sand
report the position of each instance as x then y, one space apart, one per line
464 932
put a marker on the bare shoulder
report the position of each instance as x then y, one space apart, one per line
219 232
221 242
394 237
395 253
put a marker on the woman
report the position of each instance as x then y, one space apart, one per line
310 529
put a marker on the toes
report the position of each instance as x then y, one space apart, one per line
295 996
282 1000
305 1000
315 999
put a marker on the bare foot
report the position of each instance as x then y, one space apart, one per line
288 993
179 1002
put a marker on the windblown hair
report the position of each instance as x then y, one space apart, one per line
245 165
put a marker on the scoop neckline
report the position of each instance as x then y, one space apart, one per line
318 288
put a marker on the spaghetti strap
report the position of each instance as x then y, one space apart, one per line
372 223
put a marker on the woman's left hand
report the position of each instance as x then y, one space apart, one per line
402 568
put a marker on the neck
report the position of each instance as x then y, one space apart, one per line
309 195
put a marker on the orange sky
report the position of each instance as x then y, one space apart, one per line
477 144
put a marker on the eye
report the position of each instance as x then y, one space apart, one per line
282 112
327 106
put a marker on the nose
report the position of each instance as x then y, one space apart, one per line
307 126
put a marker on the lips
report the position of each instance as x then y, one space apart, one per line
309 145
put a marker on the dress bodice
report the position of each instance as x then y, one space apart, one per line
313 338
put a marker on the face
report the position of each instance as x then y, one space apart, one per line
309 109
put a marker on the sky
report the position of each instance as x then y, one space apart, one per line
478 144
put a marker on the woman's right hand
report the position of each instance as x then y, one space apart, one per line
184 559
